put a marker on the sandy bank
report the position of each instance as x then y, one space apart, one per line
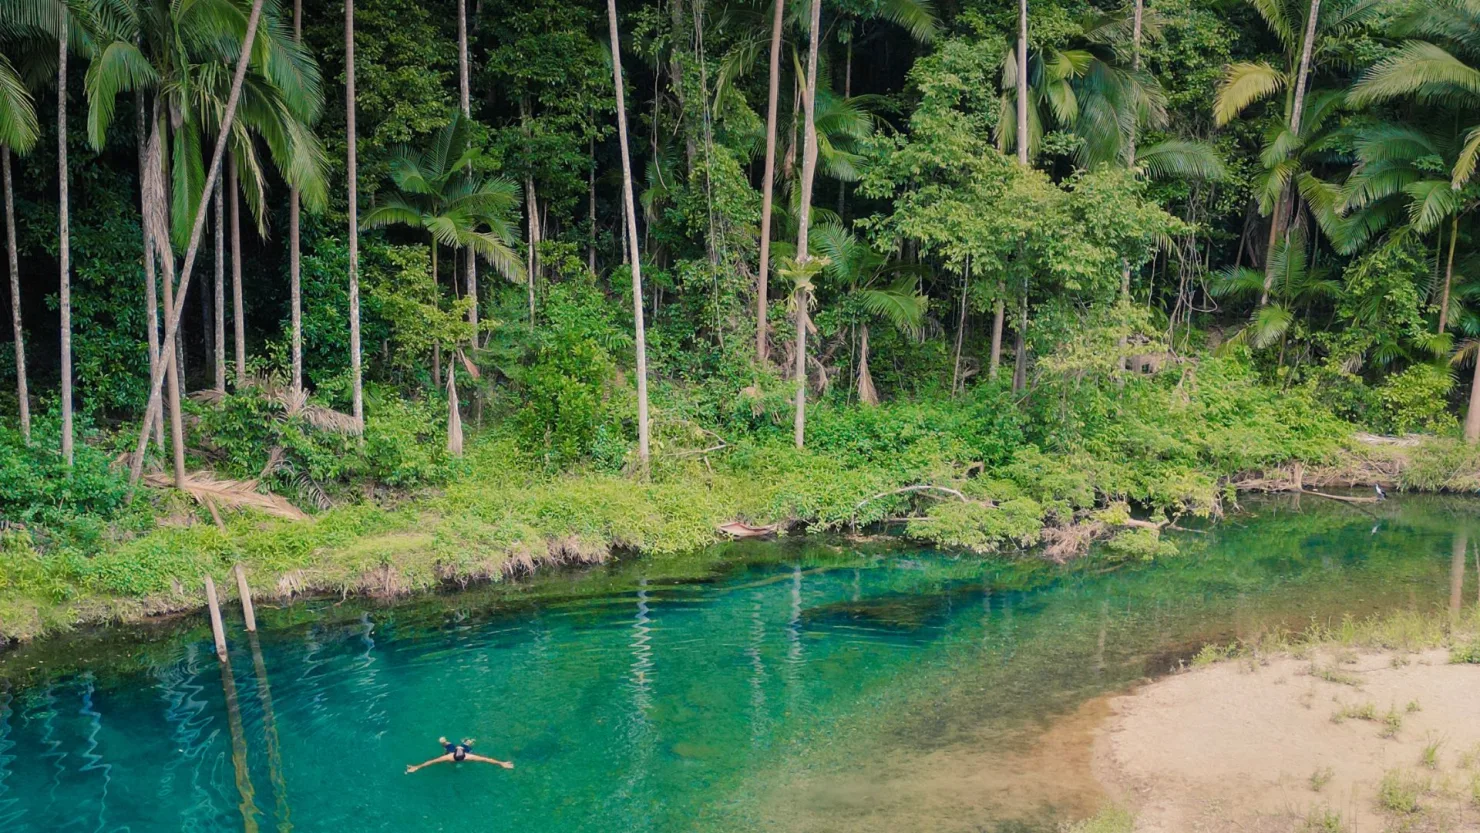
1334 742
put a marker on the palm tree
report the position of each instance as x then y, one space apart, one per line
1403 171
1297 286
437 191
804 219
916 17
1298 27
213 171
18 130
352 173
874 286
464 88
640 330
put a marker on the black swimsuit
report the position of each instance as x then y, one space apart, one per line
457 750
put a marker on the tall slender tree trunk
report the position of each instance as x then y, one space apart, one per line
999 315
768 184
238 316
437 302
295 256
1448 276
65 254
352 174
151 287
464 90
1458 549
1022 83
532 263
156 228
804 220
676 81
1284 207
1020 349
1137 17
631 232
1472 414
960 329
219 307
23 397
867 393
591 205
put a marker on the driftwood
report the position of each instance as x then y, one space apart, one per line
737 529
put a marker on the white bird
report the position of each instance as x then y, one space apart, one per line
1381 495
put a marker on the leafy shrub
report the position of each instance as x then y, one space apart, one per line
1417 399
38 489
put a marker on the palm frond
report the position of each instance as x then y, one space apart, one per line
1243 84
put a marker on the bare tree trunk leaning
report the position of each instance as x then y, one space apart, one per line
768 184
631 231
23 397
999 315
804 220
172 322
157 229
65 254
352 175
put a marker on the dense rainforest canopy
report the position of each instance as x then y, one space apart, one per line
966 250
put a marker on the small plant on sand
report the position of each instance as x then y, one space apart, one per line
1321 777
1214 653
1365 711
1475 789
1466 652
1469 757
1392 722
1398 792
1323 820
1108 820
1413 707
1333 675
1430 755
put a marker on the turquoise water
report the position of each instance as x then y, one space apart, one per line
796 686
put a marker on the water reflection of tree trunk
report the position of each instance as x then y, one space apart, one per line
794 639
11 810
244 786
270 737
93 762
1460 549
1100 643
641 736
757 674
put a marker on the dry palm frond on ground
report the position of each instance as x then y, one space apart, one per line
211 491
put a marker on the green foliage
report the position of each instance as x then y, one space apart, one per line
305 451
71 508
1417 399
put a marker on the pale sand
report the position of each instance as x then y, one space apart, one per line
1233 746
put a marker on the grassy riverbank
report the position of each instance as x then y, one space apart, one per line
1170 447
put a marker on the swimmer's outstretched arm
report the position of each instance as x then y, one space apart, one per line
444 759
482 760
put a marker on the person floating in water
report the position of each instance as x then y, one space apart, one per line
456 754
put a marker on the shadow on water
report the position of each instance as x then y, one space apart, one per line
794 686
